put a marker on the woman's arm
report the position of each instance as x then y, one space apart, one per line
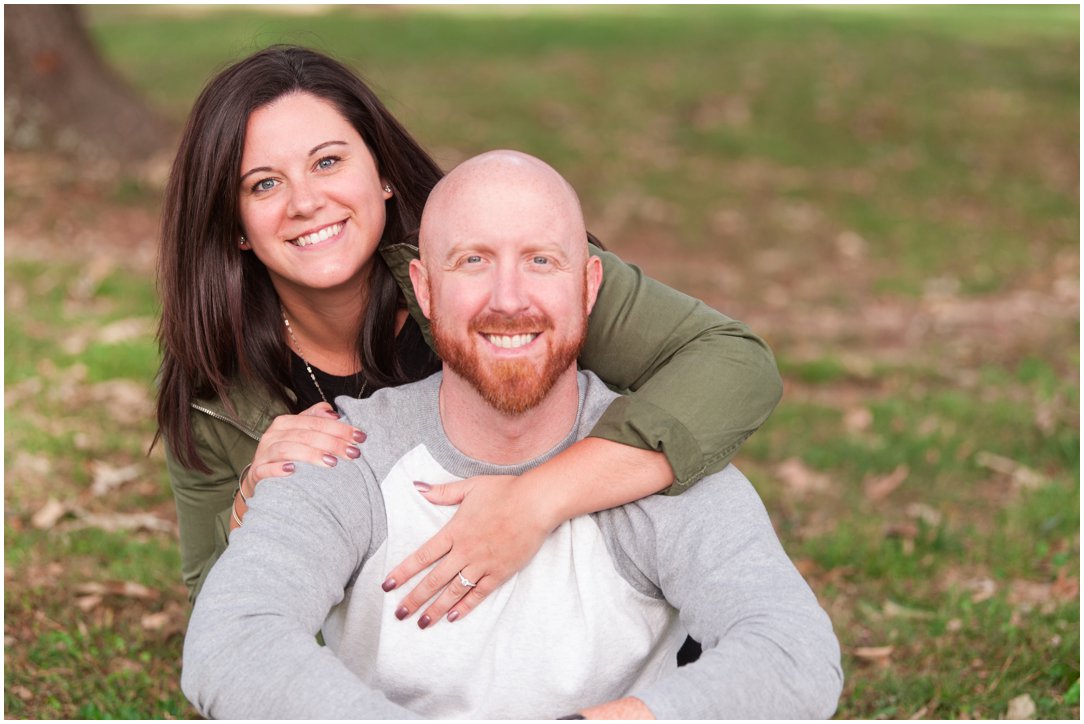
700 383
209 505
203 502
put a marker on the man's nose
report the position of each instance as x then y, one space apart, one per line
305 199
509 293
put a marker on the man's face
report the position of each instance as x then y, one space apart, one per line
508 289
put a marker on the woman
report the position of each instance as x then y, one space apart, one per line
284 283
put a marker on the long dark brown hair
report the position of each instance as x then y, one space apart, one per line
220 313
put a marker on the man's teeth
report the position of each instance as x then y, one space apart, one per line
317 236
510 342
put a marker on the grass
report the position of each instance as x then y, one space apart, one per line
889 195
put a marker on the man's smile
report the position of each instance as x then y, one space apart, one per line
513 341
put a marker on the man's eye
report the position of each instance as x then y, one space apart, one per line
473 259
540 260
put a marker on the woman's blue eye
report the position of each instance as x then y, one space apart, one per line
265 185
327 162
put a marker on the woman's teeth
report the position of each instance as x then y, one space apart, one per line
510 342
317 236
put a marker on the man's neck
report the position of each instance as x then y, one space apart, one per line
484 433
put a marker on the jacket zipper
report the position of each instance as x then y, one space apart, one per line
228 420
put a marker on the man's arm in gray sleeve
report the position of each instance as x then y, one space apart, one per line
769 648
251 650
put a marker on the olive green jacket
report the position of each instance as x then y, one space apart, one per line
699 384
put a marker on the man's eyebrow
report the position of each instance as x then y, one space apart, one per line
315 150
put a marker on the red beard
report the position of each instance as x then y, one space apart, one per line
510 386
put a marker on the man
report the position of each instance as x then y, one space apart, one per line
593 623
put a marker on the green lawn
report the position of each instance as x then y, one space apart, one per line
889 195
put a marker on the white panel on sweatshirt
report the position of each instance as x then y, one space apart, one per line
565 633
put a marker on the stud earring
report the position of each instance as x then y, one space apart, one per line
387 188
244 241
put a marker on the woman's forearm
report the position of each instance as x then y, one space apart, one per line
592 475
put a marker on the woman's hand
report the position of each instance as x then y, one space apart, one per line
502 521
316 436
499 527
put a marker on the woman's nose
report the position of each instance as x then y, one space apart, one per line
304 199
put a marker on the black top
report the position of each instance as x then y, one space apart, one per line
414 356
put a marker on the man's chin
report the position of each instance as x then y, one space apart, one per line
512 387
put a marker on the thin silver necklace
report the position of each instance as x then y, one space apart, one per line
312 375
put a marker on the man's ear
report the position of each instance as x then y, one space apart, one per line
419 277
594 280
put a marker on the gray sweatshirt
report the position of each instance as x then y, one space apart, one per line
598 613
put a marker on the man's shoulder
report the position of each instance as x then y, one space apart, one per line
394 419
595 397
393 402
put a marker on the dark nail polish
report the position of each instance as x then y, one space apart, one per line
401 612
424 621
388 585
331 461
352 452
288 467
422 487
359 436
453 615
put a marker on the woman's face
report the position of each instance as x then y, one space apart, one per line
312 202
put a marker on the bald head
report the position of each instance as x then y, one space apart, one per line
507 191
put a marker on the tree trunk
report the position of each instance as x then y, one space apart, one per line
60 95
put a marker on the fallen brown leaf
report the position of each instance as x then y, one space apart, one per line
49 514
906 530
925 513
1066 587
858 419
983 589
126 589
88 603
801 479
122 521
107 477
1021 707
1021 475
895 610
873 653
126 329
878 489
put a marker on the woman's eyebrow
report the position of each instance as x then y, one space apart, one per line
313 152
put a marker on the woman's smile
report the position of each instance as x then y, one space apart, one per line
320 235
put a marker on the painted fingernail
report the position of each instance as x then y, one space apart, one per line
422 487
401 612
352 452
359 436
453 615
424 621
331 461
388 585
288 467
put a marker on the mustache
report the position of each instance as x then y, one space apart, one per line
493 323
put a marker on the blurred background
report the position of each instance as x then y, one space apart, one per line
888 195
